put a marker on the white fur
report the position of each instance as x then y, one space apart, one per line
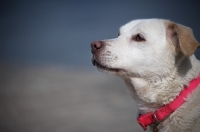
153 73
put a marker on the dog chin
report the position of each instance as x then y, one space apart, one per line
105 68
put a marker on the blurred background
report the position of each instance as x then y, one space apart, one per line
47 81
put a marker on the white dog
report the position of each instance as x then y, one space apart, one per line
155 59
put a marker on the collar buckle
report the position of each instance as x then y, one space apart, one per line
155 124
157 121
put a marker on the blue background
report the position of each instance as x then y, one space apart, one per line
60 32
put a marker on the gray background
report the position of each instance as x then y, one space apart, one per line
47 82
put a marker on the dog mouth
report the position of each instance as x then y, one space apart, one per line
104 67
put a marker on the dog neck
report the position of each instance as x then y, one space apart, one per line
160 114
152 92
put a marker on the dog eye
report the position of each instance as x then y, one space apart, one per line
118 34
138 38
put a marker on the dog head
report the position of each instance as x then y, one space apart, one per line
144 47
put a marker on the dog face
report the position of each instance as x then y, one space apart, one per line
143 48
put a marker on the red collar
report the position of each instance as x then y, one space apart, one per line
166 110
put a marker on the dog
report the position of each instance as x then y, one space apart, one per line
155 58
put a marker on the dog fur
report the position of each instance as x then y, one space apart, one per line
155 58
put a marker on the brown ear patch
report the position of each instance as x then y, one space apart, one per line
182 38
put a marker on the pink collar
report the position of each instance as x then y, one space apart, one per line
160 114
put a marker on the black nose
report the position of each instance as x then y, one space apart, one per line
96 45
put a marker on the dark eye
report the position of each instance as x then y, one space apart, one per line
118 34
138 38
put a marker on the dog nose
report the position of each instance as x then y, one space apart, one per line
96 45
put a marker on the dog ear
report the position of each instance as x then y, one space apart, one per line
182 38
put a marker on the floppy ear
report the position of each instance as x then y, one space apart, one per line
182 38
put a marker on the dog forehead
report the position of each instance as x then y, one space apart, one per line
155 25
129 25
